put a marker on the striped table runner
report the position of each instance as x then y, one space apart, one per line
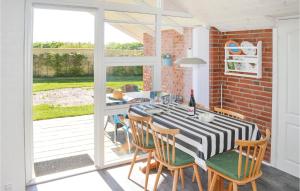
197 138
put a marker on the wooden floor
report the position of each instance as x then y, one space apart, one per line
115 179
68 143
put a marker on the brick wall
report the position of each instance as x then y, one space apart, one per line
174 78
248 96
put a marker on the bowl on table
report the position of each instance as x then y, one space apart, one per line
206 117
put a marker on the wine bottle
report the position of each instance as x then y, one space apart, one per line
192 104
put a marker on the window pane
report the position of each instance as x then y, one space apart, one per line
127 84
129 34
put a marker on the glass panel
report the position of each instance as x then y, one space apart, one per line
175 42
127 34
63 103
149 3
128 84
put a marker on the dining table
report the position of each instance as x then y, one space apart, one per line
199 138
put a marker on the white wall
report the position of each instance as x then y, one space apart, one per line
201 74
12 93
1 186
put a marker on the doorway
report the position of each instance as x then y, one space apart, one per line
62 91
287 114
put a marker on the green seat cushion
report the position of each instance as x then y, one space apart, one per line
150 144
227 164
181 158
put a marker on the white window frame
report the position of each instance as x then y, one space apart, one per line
100 65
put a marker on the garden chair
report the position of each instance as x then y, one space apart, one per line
142 140
239 168
130 88
229 113
169 156
119 122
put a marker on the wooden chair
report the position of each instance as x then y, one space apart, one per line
229 113
169 156
239 168
142 140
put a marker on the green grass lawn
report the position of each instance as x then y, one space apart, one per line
45 111
44 84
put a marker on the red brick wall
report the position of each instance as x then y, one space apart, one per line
174 78
149 50
248 96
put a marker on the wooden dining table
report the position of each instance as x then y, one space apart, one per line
201 139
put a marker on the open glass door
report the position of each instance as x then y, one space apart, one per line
63 91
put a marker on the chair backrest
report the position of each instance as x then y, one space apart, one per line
164 140
229 113
130 88
140 127
254 152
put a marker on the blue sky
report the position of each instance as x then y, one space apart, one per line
71 26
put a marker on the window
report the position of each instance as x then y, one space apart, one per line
176 40
129 34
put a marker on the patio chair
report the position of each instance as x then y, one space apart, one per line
119 123
169 156
142 140
239 168
130 88
229 113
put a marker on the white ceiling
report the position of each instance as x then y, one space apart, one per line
229 15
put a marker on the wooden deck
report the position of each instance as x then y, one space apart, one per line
67 139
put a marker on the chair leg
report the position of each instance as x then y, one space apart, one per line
209 176
133 162
220 183
213 182
194 176
253 183
115 133
128 141
235 187
198 177
157 176
175 180
229 186
182 178
106 123
148 169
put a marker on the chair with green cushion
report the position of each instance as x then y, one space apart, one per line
169 156
239 168
142 140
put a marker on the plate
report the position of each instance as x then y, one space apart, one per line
232 44
153 111
246 50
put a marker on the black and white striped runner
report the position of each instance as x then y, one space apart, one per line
201 139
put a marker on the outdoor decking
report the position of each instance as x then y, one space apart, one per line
68 143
